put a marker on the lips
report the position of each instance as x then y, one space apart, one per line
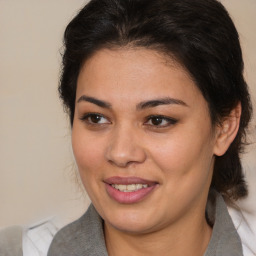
129 190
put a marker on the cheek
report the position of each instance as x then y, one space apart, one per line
88 153
186 166
88 156
184 153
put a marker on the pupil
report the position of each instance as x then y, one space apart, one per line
156 120
95 118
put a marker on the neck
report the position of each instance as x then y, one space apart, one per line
186 237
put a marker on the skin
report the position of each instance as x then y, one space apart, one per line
123 141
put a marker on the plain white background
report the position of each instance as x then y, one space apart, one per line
37 171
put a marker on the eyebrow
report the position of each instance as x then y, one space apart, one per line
100 103
140 106
158 102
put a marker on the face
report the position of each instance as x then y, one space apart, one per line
142 139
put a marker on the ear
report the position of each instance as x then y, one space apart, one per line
227 131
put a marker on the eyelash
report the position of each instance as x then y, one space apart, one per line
85 118
169 121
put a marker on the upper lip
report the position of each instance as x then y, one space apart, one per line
128 180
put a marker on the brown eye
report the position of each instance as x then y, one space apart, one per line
93 118
156 120
160 121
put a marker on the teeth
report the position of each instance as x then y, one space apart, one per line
130 187
139 186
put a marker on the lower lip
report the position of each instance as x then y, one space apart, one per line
128 197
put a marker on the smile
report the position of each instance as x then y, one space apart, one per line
129 188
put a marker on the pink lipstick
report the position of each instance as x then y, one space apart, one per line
129 190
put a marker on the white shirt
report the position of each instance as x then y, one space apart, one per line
37 238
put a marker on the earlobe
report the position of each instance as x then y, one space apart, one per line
227 131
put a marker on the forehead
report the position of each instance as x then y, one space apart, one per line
136 74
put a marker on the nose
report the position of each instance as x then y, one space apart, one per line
125 148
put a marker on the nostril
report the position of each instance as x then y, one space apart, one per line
122 164
124 155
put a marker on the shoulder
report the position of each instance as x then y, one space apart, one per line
245 224
82 237
225 239
11 241
234 231
67 236
37 237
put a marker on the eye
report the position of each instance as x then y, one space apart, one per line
94 119
160 121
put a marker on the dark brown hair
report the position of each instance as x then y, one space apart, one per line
199 34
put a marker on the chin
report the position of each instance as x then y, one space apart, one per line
131 227
135 222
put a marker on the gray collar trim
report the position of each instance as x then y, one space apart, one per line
225 240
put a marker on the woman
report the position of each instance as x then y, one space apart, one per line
158 108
